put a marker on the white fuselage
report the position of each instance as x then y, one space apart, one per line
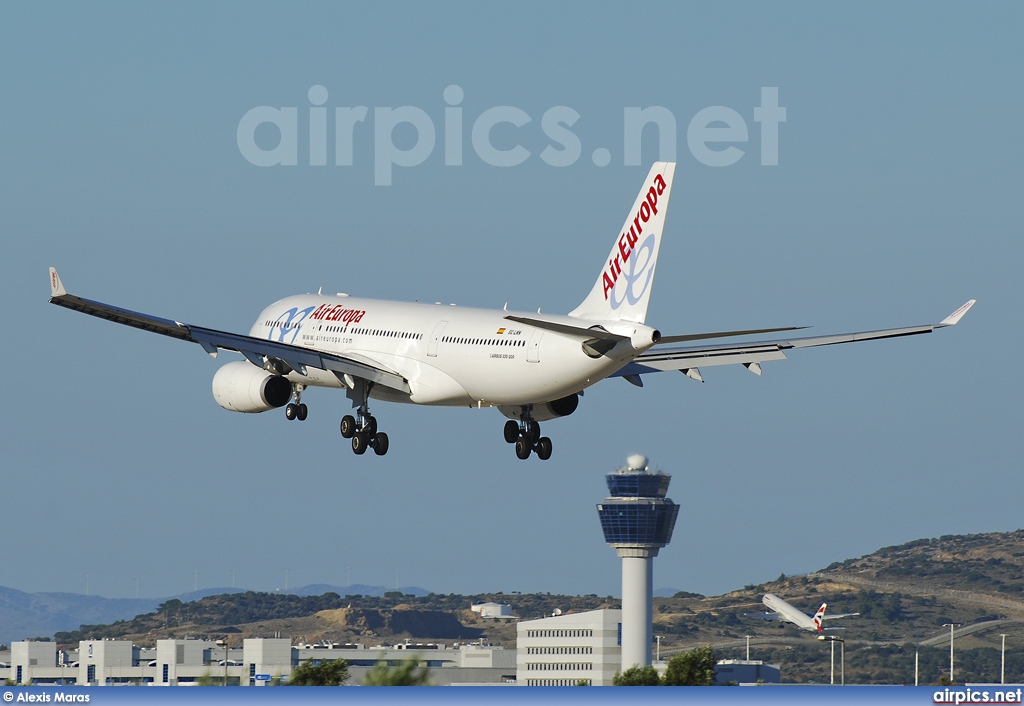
790 613
450 355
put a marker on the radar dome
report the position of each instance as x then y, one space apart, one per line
636 462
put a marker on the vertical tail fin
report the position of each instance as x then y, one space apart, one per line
819 616
623 287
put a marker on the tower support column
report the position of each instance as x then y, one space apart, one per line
637 612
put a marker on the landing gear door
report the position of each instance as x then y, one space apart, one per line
435 338
533 350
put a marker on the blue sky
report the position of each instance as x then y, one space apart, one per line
895 199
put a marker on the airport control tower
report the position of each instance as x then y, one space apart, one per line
637 520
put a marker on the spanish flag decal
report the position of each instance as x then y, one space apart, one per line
501 330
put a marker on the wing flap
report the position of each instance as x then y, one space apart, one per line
686 360
298 358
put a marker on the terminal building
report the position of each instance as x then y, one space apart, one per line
259 662
562 650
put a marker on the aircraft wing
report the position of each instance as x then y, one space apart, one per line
690 359
280 358
763 616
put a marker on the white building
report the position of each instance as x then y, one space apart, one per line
106 662
266 657
492 610
566 650
29 657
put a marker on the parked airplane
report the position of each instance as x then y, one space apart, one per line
532 367
784 611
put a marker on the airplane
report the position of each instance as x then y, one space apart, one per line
784 611
532 367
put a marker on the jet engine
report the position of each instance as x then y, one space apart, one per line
242 387
562 407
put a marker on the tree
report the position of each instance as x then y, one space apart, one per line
333 672
637 676
409 673
693 668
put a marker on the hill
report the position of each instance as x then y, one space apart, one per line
30 615
905 595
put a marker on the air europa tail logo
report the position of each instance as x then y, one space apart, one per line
628 253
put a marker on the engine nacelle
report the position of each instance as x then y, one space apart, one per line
562 407
242 387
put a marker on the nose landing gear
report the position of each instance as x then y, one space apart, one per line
525 434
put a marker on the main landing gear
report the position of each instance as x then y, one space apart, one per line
296 410
525 434
362 428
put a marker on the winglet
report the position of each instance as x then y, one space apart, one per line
957 315
56 286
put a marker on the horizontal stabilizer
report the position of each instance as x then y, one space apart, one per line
595 332
723 334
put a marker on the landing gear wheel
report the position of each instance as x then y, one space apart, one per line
380 443
291 411
544 448
523 449
511 431
348 426
301 413
360 441
532 431
370 427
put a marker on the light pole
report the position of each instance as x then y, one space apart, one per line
224 642
658 638
842 657
951 626
1002 661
